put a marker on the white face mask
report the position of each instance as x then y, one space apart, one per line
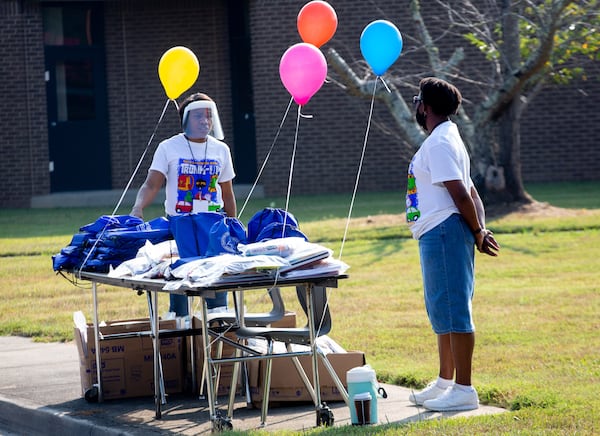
201 118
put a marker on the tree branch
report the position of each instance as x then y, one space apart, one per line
515 82
403 115
433 54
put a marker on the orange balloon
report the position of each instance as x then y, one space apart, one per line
317 22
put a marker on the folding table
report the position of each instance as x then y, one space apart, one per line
153 286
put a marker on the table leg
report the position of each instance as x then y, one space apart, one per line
192 352
323 413
210 389
159 389
335 378
97 342
238 302
313 345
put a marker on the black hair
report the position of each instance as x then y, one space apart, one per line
443 97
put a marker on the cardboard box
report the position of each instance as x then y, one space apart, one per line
286 384
128 363
226 370
288 320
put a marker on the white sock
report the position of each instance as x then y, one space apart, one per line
463 388
443 383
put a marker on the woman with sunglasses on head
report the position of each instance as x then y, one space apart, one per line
447 217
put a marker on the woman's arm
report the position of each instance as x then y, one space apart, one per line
145 196
229 204
471 208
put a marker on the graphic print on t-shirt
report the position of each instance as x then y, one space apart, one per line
197 186
412 197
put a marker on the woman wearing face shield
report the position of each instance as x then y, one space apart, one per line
196 168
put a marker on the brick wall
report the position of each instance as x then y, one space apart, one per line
560 135
137 35
557 144
559 129
329 145
23 121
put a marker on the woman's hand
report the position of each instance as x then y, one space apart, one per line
137 212
486 243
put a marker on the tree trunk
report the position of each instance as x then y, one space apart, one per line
504 181
509 158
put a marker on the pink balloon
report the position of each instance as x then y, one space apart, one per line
303 70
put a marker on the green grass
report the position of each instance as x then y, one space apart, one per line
568 194
536 307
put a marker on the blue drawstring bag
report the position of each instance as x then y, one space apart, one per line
225 235
155 231
66 262
191 232
108 222
81 239
263 218
278 230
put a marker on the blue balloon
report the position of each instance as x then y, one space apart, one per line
380 45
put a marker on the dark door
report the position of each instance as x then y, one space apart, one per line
76 94
244 133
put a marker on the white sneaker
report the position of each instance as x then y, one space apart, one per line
429 393
453 399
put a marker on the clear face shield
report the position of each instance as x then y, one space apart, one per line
201 118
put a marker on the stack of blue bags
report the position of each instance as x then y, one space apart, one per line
113 239
109 241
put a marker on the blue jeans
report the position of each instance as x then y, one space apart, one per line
179 303
447 263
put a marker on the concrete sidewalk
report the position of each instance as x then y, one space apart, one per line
40 393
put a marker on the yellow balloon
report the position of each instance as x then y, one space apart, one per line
178 70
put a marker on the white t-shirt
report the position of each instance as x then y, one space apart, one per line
442 157
193 173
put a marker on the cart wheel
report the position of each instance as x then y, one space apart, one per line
222 423
324 415
382 392
91 395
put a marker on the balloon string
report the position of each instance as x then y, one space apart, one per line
287 200
99 238
264 164
289 188
362 157
384 84
142 156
